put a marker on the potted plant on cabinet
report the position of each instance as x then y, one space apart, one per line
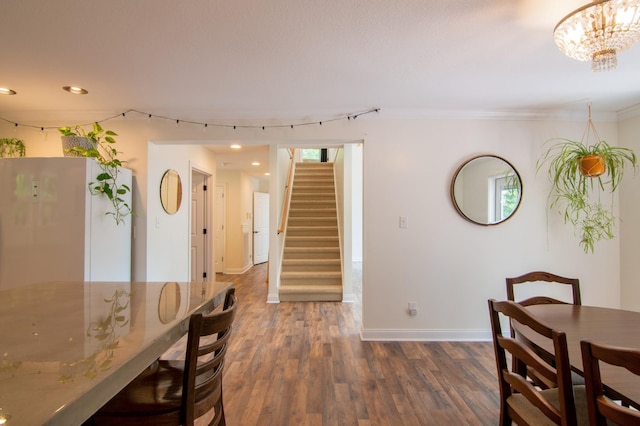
12 147
71 140
101 148
581 175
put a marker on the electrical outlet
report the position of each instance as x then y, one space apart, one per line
413 309
35 194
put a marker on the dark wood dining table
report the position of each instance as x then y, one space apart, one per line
67 347
605 325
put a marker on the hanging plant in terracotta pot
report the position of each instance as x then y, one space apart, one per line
592 165
581 176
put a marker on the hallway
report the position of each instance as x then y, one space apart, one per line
303 363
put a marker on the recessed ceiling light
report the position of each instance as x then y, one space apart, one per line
267 174
5 91
75 90
236 146
255 163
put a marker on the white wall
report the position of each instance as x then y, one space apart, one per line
239 217
629 229
449 266
279 163
356 202
169 236
343 171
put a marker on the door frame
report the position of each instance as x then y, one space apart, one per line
206 221
222 266
268 198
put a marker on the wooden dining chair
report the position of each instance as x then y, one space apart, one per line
599 406
536 276
521 401
541 276
178 392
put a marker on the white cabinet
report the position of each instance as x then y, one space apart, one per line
53 229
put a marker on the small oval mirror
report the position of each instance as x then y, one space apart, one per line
171 191
486 190
169 303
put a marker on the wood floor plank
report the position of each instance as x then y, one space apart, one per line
303 363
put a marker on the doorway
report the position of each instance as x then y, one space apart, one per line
199 224
348 162
260 227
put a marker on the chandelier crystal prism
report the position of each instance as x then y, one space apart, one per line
598 31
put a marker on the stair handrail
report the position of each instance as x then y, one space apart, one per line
287 193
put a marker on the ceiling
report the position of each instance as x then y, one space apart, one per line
243 159
297 59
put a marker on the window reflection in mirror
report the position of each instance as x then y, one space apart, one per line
171 191
486 190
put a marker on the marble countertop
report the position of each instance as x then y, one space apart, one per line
67 347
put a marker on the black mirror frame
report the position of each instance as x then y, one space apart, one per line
452 190
165 207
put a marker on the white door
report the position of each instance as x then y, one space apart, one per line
198 227
260 227
219 234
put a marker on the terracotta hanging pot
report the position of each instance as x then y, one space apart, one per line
592 165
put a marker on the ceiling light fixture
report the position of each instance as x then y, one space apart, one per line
597 31
5 91
255 163
75 90
235 146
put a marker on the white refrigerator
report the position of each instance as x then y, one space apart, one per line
53 229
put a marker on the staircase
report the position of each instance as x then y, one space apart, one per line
311 265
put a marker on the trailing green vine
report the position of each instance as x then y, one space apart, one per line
103 151
576 195
12 147
105 332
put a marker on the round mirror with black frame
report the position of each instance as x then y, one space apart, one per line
486 190
171 191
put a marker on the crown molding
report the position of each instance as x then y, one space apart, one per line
578 115
627 113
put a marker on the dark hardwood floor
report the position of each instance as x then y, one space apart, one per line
303 363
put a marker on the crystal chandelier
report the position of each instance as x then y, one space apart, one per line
597 31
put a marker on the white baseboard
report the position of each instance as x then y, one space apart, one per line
348 298
426 335
273 298
238 271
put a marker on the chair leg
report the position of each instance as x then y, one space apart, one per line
223 421
218 417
